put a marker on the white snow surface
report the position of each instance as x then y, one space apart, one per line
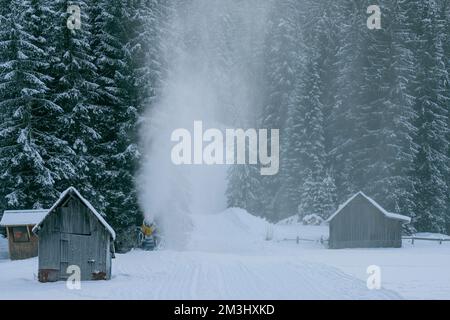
228 258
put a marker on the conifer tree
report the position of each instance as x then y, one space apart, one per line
431 164
73 88
282 54
34 158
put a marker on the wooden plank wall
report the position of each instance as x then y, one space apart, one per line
22 250
362 225
73 235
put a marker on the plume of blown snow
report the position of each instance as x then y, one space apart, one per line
211 63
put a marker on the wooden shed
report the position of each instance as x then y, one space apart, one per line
73 233
22 242
362 223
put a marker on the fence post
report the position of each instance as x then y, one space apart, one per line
412 242
298 240
440 241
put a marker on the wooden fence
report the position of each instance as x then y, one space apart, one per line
322 240
413 238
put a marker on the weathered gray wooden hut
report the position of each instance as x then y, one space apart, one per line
74 233
362 223
22 243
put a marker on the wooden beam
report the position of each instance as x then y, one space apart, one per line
9 241
29 234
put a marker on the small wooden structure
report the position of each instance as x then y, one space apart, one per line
362 223
22 243
73 233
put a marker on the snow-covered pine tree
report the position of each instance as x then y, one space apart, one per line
243 189
318 195
146 20
431 164
282 59
33 157
392 180
346 115
120 43
308 156
382 152
306 176
74 89
328 44
245 58
5 54
282 53
291 176
445 18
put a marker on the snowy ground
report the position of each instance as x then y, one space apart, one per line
228 258
419 271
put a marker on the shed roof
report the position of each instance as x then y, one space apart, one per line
387 214
73 191
22 217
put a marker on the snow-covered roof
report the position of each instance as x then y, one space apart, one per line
387 214
72 190
22 217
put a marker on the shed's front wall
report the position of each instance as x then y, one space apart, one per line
362 225
72 235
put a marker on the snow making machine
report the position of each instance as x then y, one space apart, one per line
148 236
